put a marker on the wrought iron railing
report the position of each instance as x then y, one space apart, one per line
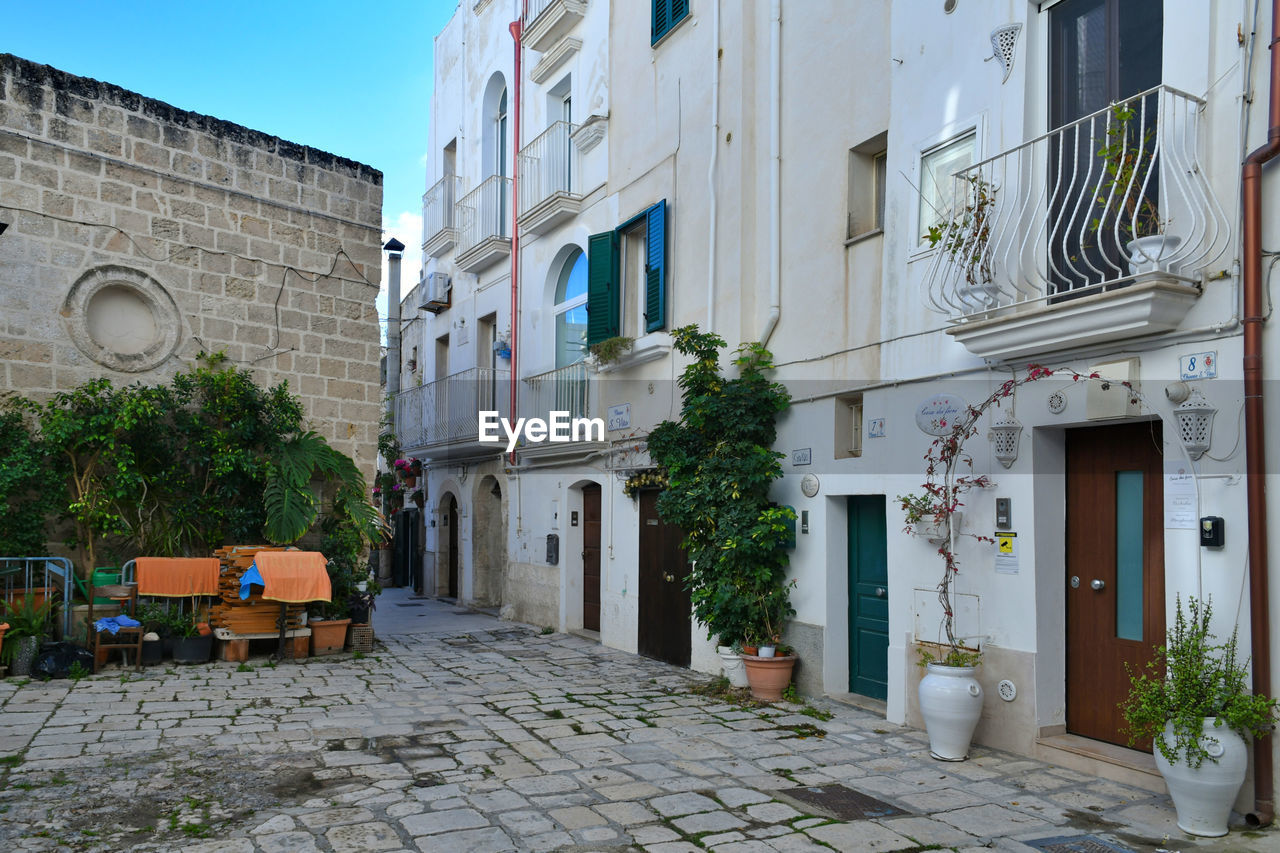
438 206
546 166
565 389
447 410
484 213
1057 216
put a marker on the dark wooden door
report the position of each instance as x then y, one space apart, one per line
1115 569
591 557
868 597
452 520
665 620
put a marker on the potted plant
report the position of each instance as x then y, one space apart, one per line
360 604
28 626
716 466
964 233
769 672
192 640
950 695
1194 701
1128 156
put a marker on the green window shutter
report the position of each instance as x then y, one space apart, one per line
661 20
602 287
655 291
679 8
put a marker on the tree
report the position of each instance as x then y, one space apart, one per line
720 463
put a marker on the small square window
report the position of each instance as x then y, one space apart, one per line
867 175
938 165
848 437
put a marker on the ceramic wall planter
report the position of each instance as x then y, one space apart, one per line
951 703
768 677
734 669
328 637
1202 796
192 649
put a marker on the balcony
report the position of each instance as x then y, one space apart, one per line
1038 253
484 224
438 216
547 177
440 420
548 21
565 389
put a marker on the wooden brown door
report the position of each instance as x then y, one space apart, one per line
591 557
665 620
452 520
1115 569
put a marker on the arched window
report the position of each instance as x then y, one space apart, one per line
500 135
571 310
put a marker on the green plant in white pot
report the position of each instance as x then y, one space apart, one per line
1195 702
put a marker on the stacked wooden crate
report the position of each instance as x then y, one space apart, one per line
252 615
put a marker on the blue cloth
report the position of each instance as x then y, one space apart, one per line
252 575
115 623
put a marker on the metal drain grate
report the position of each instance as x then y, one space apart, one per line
1076 844
843 803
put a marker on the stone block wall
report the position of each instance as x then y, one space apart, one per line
140 235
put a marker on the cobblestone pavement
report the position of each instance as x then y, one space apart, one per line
506 739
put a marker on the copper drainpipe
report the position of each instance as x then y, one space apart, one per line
516 32
1255 429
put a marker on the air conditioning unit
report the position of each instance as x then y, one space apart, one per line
436 292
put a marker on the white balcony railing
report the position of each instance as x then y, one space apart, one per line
565 389
533 10
446 411
484 213
546 166
438 207
1058 214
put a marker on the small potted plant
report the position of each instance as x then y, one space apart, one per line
769 672
1128 155
28 627
192 639
1194 701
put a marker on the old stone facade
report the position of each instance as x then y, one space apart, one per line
139 235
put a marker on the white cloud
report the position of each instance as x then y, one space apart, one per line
407 228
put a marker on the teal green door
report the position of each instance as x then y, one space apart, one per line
868 597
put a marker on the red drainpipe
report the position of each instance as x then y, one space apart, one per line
517 29
1255 429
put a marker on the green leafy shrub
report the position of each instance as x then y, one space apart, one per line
720 462
1191 679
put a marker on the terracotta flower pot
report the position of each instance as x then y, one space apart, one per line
768 677
328 637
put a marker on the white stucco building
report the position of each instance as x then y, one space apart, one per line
767 171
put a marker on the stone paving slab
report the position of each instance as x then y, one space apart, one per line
490 736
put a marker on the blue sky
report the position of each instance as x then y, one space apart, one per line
321 73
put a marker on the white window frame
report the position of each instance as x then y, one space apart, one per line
918 247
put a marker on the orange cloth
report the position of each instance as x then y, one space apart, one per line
294 576
174 577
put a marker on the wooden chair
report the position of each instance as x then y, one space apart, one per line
102 642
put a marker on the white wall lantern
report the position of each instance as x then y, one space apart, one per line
1005 435
1195 423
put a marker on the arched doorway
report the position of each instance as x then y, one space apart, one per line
451 522
489 543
